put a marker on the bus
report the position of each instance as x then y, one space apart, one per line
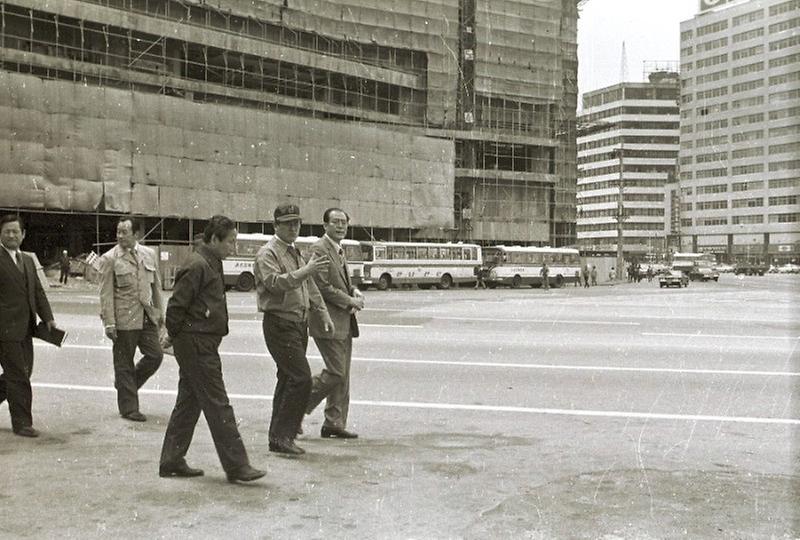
518 265
238 268
425 264
697 266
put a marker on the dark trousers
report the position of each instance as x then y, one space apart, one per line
64 276
287 341
16 358
333 382
128 378
201 388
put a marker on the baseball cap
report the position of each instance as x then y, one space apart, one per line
287 212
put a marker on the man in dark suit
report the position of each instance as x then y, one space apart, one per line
343 301
21 299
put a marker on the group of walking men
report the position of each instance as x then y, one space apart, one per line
297 297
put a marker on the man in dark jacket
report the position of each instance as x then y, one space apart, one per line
22 298
197 319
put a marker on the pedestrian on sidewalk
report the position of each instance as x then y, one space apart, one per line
197 320
63 264
545 273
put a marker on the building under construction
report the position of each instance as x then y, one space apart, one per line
433 119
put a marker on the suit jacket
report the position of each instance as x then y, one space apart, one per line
22 297
334 286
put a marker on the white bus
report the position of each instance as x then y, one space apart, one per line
425 264
238 268
697 266
519 265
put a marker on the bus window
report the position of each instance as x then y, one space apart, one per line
381 253
366 252
353 253
422 252
435 253
538 258
248 248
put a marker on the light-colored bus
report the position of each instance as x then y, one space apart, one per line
519 265
425 264
238 268
697 266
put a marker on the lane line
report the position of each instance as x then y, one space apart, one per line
480 408
547 321
720 336
515 365
360 325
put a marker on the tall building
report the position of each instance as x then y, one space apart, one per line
740 130
628 144
433 119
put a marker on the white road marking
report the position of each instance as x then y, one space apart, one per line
719 336
360 325
515 365
479 408
546 321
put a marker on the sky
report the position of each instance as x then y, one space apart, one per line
649 28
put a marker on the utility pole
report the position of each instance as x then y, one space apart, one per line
620 212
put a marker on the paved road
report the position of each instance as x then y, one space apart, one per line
624 411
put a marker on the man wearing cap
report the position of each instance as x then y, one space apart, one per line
288 297
343 301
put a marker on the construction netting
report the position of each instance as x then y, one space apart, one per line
69 146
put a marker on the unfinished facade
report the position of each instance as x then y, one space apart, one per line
436 119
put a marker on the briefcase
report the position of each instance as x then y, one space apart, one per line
56 336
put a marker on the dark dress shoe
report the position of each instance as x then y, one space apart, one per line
245 474
337 433
26 431
135 416
285 446
299 430
180 471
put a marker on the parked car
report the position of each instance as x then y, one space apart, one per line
750 269
673 278
723 268
789 268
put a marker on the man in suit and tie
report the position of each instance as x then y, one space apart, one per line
132 311
22 298
343 301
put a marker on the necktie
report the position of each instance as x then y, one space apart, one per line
295 255
19 263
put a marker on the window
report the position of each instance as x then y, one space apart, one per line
785 7
750 34
748 68
712 61
784 218
784 60
783 131
711 141
752 219
788 95
687 51
712 109
747 53
784 113
710 222
713 124
715 156
686 207
784 78
784 25
747 169
687 145
714 44
749 17
753 151
716 188
784 165
687 66
793 147
712 205
686 160
686 35
687 191
711 77
747 119
753 202
783 200
747 85
747 136
784 183
785 43
713 27
747 186
747 102
686 222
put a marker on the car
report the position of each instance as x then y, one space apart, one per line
723 268
673 278
789 268
750 269
703 273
